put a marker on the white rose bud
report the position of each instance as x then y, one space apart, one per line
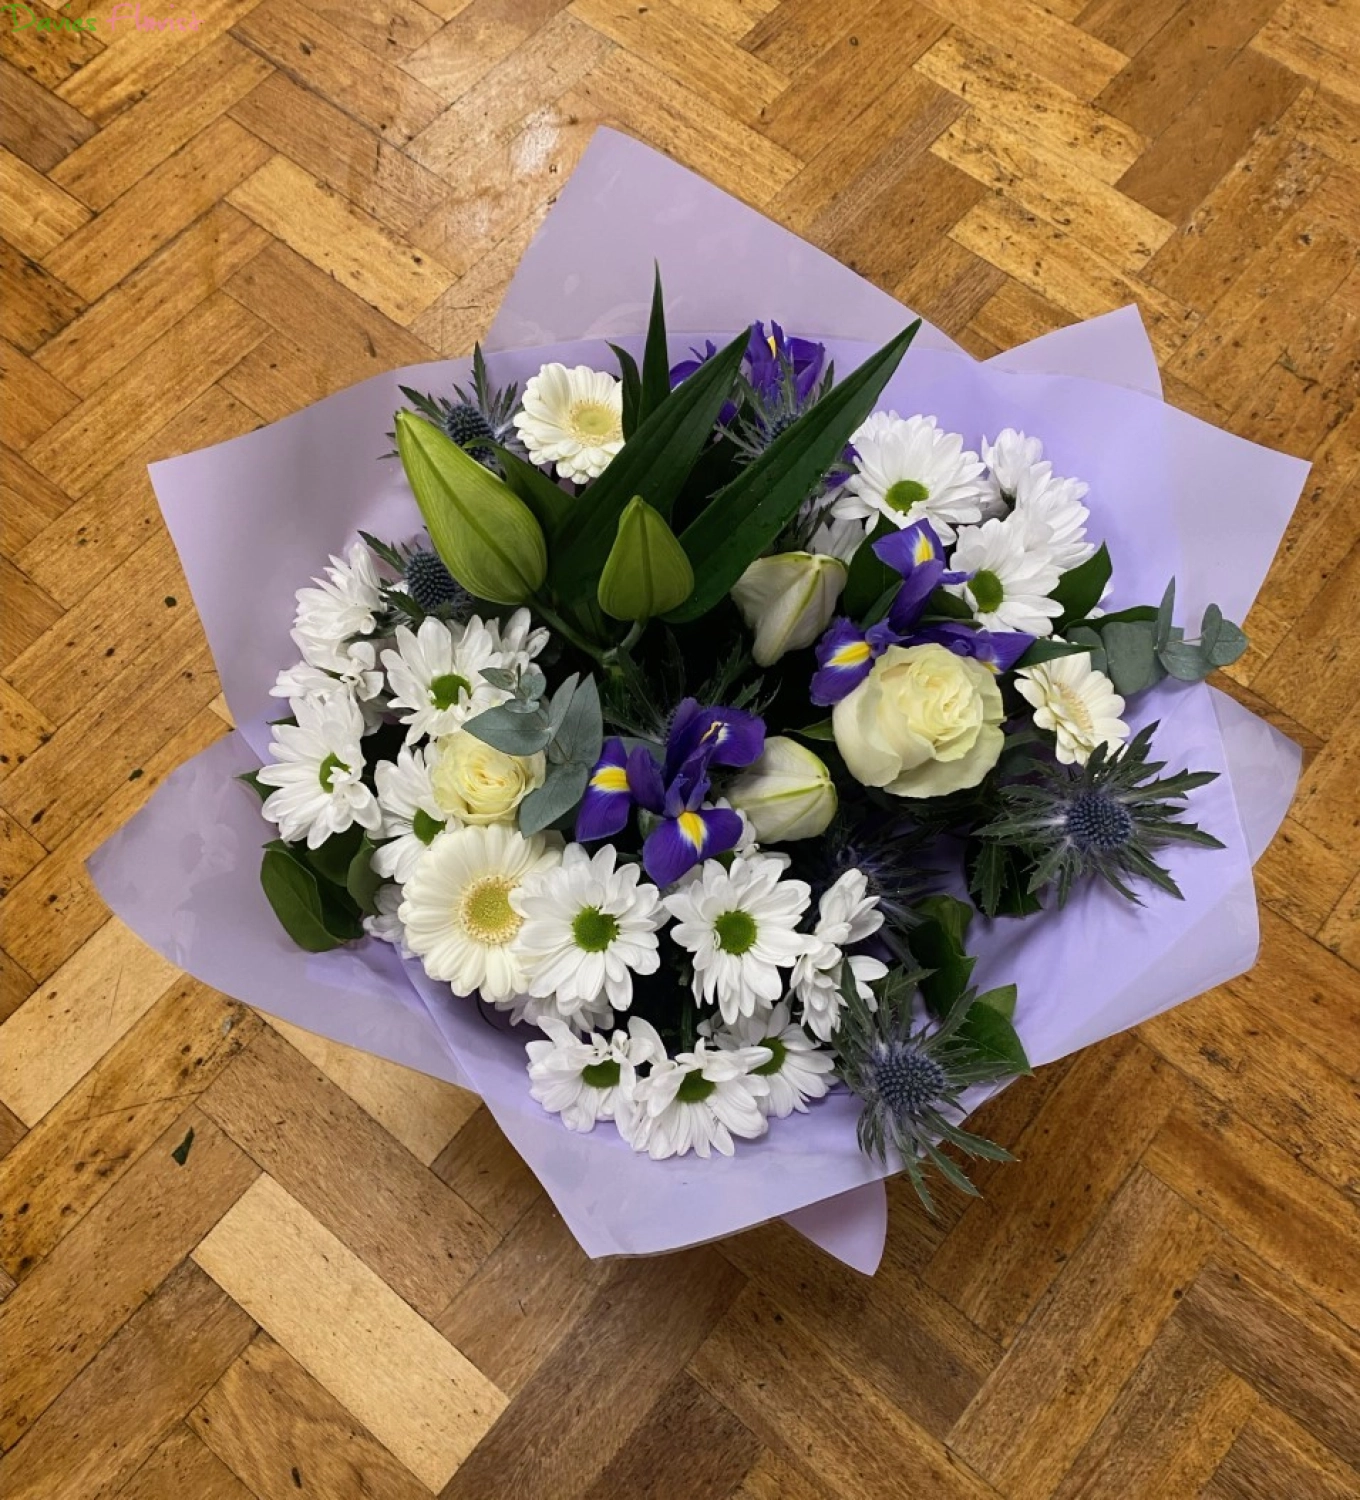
788 600
476 783
787 794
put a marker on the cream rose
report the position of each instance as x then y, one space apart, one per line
476 783
923 723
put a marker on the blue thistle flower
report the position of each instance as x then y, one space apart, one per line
433 587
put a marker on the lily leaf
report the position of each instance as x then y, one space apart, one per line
656 364
632 389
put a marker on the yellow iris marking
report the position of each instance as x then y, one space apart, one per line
692 826
924 551
610 779
769 339
851 655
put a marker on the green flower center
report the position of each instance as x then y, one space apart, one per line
425 827
593 930
486 913
780 1051
327 770
904 494
601 1075
694 1088
447 689
987 590
736 932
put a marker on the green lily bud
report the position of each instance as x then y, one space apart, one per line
788 600
787 794
485 533
647 571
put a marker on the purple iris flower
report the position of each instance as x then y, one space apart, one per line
675 790
997 649
767 355
687 367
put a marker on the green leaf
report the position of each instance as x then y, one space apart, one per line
870 577
581 736
632 389
252 780
180 1155
1001 999
1185 661
362 881
821 730
1164 610
1209 629
948 605
1079 589
512 733
937 944
990 1036
654 463
656 363
551 506
389 555
1136 614
647 571
331 860
313 922
1131 655
1088 636
1230 643
561 791
745 517
1044 650
998 878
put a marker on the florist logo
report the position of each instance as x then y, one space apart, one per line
23 18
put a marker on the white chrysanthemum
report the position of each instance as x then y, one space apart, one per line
846 915
1013 575
357 673
318 772
586 1081
1077 703
457 911
411 816
589 926
697 1101
1011 460
837 538
1056 504
740 927
572 418
518 640
436 675
386 924
340 606
797 1069
536 1010
908 470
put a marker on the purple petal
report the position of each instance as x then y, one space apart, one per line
645 781
716 736
607 802
845 657
678 844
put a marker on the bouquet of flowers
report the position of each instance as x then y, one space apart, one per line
760 740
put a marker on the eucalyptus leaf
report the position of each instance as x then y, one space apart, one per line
1230 643
1164 612
511 733
1131 656
1185 661
561 702
1088 636
581 736
1210 627
563 788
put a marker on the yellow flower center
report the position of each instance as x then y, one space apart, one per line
1071 706
593 422
485 912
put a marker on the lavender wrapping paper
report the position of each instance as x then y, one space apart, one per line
1169 494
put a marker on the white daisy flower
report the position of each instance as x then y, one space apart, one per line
572 418
846 915
343 604
586 1081
1056 504
412 818
588 928
1077 703
436 675
696 1101
909 471
536 1010
318 769
797 1069
1010 461
357 673
740 925
518 640
386 925
457 912
1013 575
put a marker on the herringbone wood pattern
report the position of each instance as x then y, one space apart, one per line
351 1287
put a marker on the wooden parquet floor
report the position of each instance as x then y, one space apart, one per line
349 1286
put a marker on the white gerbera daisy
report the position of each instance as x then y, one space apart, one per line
1010 460
740 924
696 1101
588 928
586 1081
318 772
797 1069
572 418
457 912
436 675
411 816
1077 703
1013 575
342 605
846 915
1056 504
909 471
386 924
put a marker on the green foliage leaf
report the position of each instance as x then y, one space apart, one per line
1001 999
332 860
579 741
821 730
937 944
362 881
745 517
632 389
947 606
990 1036
998 879
1079 589
551 506
563 788
510 732
1046 650
1185 661
870 577
252 780
656 364
1164 612
1230 641
1131 655
309 915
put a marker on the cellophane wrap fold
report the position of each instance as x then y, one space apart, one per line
254 517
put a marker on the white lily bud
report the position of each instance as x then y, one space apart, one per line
788 600
787 794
